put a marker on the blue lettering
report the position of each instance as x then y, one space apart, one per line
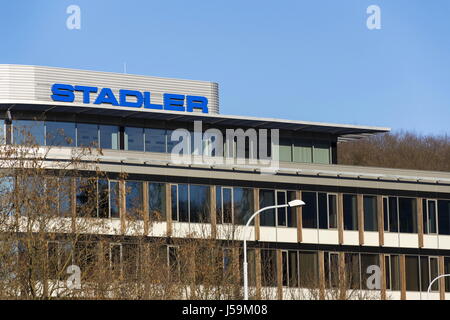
196 102
148 104
62 92
86 91
106 96
174 102
123 98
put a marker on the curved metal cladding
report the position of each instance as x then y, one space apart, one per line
32 85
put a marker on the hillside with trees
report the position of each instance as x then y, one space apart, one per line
405 150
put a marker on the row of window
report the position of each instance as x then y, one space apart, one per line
71 134
234 205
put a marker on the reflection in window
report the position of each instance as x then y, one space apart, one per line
61 134
87 135
134 199
114 199
103 198
309 210
407 215
28 132
370 213
243 205
444 216
390 212
2 132
157 201
86 197
429 216
350 212
224 204
321 153
109 137
134 139
199 203
302 151
155 140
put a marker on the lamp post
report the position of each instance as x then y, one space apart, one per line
293 203
431 283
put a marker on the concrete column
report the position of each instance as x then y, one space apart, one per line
441 280
403 276
340 212
212 201
380 216
420 225
383 276
257 219
168 209
299 213
145 209
321 257
360 205
279 275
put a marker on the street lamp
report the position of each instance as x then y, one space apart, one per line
293 203
431 283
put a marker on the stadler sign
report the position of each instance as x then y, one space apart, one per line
171 101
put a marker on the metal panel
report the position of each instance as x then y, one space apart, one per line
32 84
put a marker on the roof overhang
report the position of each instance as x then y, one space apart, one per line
344 132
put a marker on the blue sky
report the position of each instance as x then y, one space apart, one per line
311 60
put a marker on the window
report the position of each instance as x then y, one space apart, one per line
65 200
224 204
321 153
190 203
134 199
309 212
60 256
350 212
86 197
367 260
243 204
155 140
390 212
114 199
269 268
320 210
103 198
157 201
302 151
27 132
134 139
267 198
392 267
285 150
370 213
61 134
109 137
2 132
173 262
429 216
115 258
290 268
407 215
352 270
428 271
412 273
309 269
87 135
199 203
331 261
444 216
